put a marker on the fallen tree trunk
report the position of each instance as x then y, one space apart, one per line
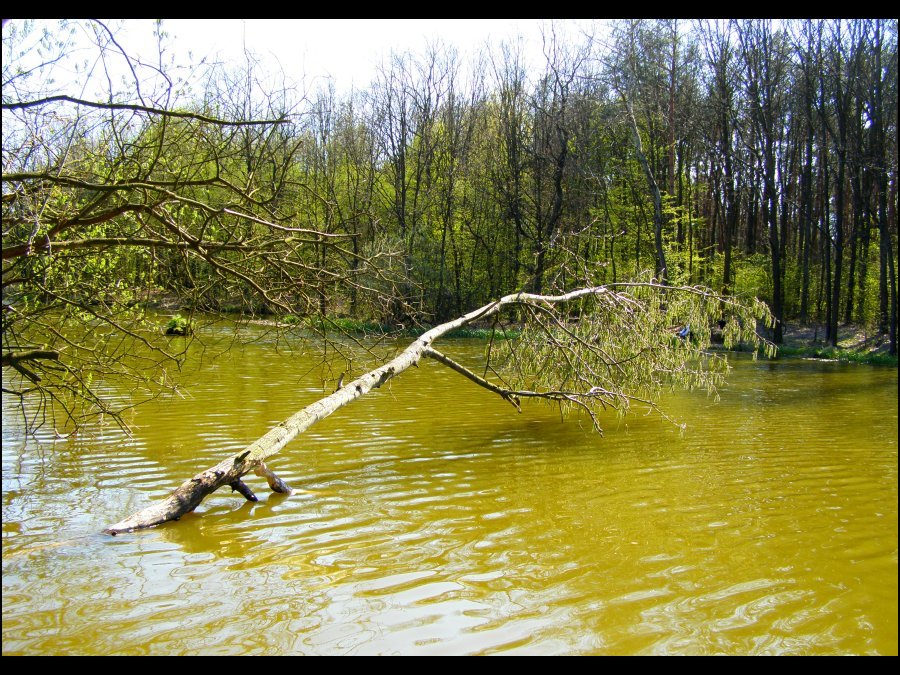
252 458
189 495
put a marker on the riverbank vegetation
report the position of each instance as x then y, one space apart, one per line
753 157
856 346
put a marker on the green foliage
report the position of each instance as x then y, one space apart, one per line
753 276
429 193
347 326
623 346
179 325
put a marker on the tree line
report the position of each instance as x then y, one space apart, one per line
756 157
753 156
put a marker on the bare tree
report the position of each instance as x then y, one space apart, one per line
631 79
113 196
717 41
765 59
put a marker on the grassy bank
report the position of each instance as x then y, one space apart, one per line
855 345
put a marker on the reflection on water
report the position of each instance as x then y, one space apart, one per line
433 519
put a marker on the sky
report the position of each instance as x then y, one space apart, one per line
306 51
348 50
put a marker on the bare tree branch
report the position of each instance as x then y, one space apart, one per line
191 493
177 114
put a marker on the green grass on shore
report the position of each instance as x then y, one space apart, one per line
837 354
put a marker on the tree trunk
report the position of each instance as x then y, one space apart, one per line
588 390
806 216
662 272
252 458
838 243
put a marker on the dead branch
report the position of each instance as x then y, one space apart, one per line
191 493
228 472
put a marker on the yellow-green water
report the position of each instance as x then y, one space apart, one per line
437 520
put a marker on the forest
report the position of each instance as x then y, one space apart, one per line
757 158
508 333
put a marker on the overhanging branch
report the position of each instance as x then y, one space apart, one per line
46 246
17 361
252 458
475 377
183 114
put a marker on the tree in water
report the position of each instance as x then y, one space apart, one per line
112 200
597 348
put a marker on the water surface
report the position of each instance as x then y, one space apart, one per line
434 519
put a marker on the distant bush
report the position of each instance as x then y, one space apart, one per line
178 325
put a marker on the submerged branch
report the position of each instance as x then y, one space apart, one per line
589 397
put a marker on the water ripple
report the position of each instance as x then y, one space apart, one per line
430 521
